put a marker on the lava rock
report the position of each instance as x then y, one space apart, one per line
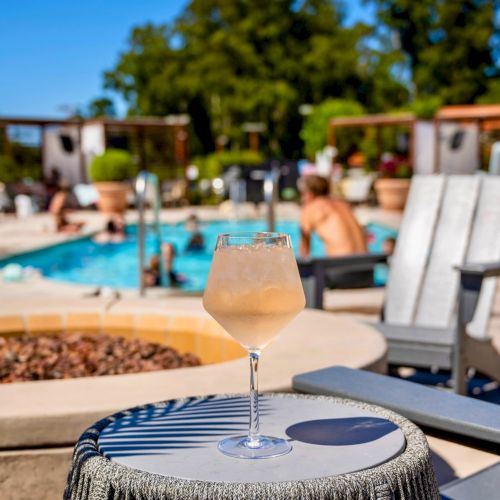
71 355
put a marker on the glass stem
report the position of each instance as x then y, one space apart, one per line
253 431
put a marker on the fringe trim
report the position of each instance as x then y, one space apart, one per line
409 476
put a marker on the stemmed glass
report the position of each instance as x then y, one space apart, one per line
253 291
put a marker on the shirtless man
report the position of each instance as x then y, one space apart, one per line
331 219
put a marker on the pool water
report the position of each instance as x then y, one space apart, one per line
116 264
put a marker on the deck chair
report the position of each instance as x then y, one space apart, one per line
461 418
442 282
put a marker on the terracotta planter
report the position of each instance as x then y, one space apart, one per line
112 196
392 193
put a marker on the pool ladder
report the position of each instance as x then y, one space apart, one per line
144 181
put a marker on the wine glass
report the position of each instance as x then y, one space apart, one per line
253 291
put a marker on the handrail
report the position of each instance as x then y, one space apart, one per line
271 196
143 180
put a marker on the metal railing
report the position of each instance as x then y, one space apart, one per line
143 181
271 180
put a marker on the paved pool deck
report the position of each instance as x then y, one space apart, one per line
38 295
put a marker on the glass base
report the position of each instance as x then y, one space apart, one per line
263 447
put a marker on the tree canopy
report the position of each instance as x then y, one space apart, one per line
99 107
230 62
452 46
227 62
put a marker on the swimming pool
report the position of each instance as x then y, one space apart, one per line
116 264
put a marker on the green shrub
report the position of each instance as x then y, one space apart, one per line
112 165
11 171
426 107
7 169
403 171
314 132
492 95
368 146
212 165
167 172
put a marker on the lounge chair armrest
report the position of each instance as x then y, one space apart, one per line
313 270
472 275
471 282
480 270
366 259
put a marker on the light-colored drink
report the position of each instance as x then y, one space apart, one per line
253 291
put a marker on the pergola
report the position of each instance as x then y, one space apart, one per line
486 117
137 125
377 121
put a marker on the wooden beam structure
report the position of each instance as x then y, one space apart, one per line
139 121
469 112
373 120
136 125
484 116
377 121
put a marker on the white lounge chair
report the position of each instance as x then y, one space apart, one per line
442 281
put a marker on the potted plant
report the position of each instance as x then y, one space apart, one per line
358 180
393 185
109 172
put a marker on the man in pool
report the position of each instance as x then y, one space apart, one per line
335 223
196 241
114 232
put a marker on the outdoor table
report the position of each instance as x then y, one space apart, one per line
342 449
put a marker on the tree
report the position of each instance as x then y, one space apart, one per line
227 62
451 45
99 107
315 130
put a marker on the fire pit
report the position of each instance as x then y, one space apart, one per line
72 355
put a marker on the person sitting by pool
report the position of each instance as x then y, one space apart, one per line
114 232
60 205
152 275
334 222
196 241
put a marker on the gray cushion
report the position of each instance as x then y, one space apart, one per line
424 405
484 485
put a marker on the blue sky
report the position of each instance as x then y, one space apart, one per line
53 52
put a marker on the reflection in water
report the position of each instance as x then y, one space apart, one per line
341 431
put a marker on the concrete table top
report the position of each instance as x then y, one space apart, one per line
180 439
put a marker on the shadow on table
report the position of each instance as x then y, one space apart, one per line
341 431
155 430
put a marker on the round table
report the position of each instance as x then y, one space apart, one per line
341 449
